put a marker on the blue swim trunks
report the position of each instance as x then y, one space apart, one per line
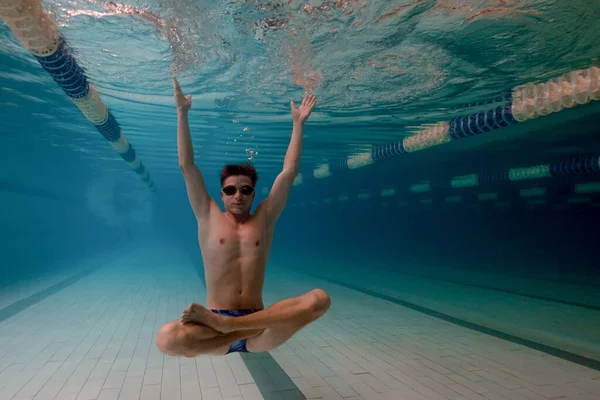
240 345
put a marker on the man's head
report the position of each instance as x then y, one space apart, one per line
237 187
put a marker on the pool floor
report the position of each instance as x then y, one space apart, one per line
94 339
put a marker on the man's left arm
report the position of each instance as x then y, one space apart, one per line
278 196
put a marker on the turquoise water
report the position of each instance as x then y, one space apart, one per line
380 70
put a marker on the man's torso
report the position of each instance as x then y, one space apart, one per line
235 257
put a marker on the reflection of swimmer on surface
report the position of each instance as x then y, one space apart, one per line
178 44
181 48
170 31
300 59
149 16
113 8
502 10
261 27
300 52
143 13
345 5
302 71
509 9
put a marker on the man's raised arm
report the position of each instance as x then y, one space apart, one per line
277 198
196 189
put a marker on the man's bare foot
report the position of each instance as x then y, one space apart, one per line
197 314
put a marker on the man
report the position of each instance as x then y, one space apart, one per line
235 247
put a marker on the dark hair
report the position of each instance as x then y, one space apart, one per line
245 169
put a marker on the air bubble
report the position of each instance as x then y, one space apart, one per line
251 154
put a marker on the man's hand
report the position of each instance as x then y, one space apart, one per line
302 113
183 102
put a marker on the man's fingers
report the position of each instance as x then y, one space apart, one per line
176 84
309 101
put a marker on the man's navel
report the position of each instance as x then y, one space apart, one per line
257 243
222 240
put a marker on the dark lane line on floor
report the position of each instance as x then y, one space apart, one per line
35 298
565 355
495 289
269 377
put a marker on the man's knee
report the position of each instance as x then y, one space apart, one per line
319 301
170 340
166 338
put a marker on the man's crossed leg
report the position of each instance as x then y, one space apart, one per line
201 331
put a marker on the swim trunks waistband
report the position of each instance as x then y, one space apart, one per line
236 312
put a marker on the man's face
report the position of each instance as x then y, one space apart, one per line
237 202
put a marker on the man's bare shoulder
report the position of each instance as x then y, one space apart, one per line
261 215
261 209
214 213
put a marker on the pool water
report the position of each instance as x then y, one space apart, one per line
447 198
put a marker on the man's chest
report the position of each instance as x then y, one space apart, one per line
227 240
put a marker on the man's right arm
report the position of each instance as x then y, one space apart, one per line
196 189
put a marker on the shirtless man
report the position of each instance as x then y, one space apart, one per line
235 247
